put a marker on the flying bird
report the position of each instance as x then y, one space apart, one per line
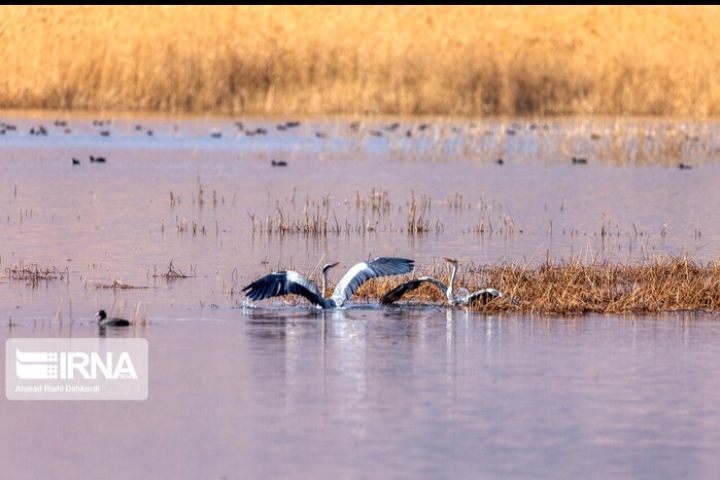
277 284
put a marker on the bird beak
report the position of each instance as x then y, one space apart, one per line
327 267
449 260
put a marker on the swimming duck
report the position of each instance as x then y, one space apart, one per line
103 321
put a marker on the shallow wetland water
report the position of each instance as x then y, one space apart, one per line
278 390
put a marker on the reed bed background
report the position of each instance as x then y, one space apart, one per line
656 285
390 60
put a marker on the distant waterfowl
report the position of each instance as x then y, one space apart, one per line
60 123
278 163
38 131
97 159
103 321
257 131
462 297
216 134
286 282
105 133
684 166
321 134
499 161
579 160
75 161
287 125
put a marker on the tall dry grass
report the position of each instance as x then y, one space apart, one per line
649 286
395 60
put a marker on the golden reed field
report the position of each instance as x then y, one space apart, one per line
672 284
390 60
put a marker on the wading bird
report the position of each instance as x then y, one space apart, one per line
461 297
282 283
103 321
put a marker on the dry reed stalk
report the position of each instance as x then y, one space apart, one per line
135 317
401 60
172 273
58 312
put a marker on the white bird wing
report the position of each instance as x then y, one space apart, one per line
363 271
277 284
485 295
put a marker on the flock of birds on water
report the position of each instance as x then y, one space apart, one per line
354 126
289 282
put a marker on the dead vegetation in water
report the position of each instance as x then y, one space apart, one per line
111 284
372 213
416 222
573 287
33 275
648 286
172 273
314 221
612 60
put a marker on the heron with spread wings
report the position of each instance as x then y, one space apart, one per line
277 284
461 297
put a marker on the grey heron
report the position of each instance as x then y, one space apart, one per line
103 321
282 283
461 297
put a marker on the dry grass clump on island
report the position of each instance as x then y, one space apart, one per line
393 60
649 286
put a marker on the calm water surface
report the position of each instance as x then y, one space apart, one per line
366 392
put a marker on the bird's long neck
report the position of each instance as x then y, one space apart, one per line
324 283
453 272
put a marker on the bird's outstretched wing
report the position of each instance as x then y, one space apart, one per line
484 295
364 271
487 294
397 293
277 284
